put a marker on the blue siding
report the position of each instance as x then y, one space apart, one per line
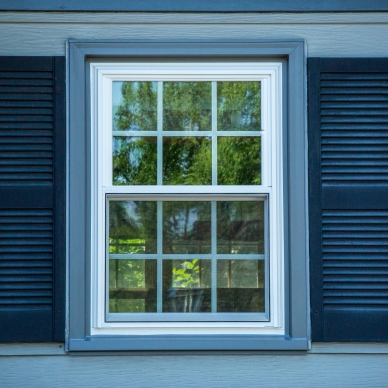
182 370
196 6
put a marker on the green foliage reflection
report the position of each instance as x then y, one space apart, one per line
134 160
132 227
186 106
238 106
187 160
239 160
132 286
186 274
137 110
127 273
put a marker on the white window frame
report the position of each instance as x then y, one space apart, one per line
101 77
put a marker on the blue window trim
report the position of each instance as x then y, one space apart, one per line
80 53
195 6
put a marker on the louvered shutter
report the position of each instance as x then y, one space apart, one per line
348 198
32 199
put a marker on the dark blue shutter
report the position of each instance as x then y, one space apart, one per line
32 199
348 194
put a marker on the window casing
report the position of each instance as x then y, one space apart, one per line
282 189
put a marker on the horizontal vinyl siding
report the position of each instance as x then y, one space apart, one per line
199 370
340 35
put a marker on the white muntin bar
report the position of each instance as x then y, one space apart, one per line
214 133
159 156
188 133
214 258
159 269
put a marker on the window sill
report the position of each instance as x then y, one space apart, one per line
187 342
89 344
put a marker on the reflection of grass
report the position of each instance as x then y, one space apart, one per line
131 246
187 275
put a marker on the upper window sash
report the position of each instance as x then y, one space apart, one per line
268 73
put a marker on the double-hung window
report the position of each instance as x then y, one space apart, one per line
187 213
188 195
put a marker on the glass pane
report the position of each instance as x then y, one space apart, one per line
187 160
134 160
240 286
238 106
186 286
134 106
240 227
132 227
239 160
186 227
187 106
132 286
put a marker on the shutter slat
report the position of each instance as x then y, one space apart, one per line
38 118
33 110
27 96
14 73
358 76
24 82
26 104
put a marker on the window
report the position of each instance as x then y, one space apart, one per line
187 200
189 182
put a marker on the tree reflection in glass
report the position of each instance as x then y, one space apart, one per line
186 106
132 231
238 106
239 160
132 286
134 160
240 227
186 286
132 227
240 286
134 106
186 227
187 160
